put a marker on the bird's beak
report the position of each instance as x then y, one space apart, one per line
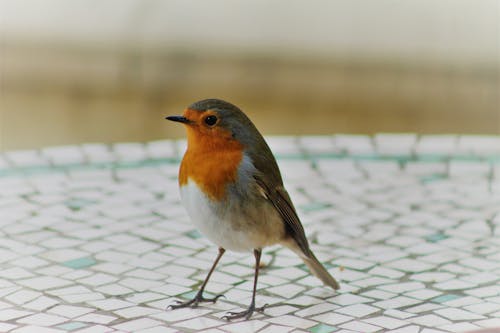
179 119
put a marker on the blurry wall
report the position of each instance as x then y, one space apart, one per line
110 70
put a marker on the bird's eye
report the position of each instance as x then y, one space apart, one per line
210 120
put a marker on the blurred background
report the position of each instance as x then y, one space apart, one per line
110 70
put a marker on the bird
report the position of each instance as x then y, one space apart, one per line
232 189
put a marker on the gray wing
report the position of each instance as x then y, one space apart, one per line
269 181
280 199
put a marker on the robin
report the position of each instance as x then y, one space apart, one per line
232 189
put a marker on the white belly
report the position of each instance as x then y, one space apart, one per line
231 229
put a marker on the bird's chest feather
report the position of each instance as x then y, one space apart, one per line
211 172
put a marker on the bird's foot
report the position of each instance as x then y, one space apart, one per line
193 303
247 313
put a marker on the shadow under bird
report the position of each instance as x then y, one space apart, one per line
233 192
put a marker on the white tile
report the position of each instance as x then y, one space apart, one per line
248 326
41 303
110 304
130 151
430 320
180 314
199 323
318 144
25 158
332 318
432 276
293 321
136 311
454 284
140 284
458 314
410 265
459 327
353 263
72 290
146 274
288 290
386 272
479 263
349 299
469 168
398 314
310 310
406 329
358 310
114 290
419 168
378 294
9 314
70 311
95 329
44 282
423 294
431 330
360 326
463 301
290 273
158 329
283 145
402 287
172 289
98 279
489 323
81 298
64 155
386 322
22 296
483 291
276 329
96 318
160 149
354 144
144 297
343 169
395 144
397 302
483 308
3 163
478 145
437 144
423 308
137 324
97 153
29 262
380 168
36 329
280 310
483 277
4 327
42 319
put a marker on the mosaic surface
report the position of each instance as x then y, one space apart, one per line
93 239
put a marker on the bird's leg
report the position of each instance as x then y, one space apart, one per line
198 298
248 312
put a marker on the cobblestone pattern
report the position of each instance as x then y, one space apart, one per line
93 239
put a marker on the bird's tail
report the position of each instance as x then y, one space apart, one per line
320 271
314 265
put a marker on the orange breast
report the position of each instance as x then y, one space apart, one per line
211 161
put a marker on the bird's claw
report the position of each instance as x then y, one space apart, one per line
193 303
247 313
